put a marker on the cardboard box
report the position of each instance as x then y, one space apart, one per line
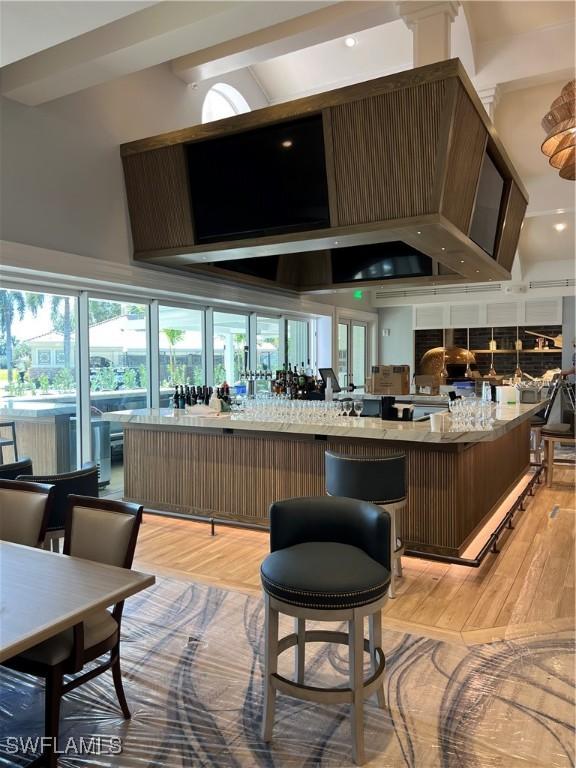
390 380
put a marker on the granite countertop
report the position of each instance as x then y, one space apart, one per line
507 417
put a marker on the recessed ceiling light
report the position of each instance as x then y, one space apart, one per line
560 227
461 261
418 233
287 143
350 42
477 271
442 249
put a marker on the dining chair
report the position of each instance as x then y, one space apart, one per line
104 531
24 511
12 470
81 482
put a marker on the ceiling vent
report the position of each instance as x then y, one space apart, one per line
568 282
442 291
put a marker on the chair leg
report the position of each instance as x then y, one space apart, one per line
356 648
549 462
118 685
391 590
300 649
375 635
53 697
270 666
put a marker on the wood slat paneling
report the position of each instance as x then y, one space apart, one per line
159 198
374 180
468 139
238 476
515 210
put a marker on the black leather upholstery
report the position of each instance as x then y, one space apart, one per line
327 552
380 480
324 575
16 468
82 482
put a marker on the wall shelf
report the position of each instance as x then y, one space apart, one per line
513 351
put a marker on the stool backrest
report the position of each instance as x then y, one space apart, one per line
381 480
24 510
81 482
329 518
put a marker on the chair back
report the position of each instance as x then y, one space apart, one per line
381 480
16 468
81 482
328 518
24 510
102 530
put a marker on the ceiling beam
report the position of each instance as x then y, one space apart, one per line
344 18
144 39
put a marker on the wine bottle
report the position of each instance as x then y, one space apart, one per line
176 398
181 398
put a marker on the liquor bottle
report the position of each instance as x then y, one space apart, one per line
309 371
176 398
181 398
301 376
187 396
194 396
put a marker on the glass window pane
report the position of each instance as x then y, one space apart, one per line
38 378
180 349
358 355
267 349
343 354
297 342
118 378
230 344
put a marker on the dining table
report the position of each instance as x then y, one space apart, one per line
43 593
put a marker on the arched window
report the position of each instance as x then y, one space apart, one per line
223 100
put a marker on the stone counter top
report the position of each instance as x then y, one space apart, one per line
507 418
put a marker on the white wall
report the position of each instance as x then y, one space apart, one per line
61 181
398 347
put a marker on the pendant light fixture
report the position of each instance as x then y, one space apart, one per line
560 127
518 371
468 373
492 371
444 371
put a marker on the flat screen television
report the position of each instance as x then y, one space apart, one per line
380 261
264 181
486 214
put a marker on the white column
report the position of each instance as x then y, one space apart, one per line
431 24
489 97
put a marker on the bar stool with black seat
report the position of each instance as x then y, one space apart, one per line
81 482
381 480
329 561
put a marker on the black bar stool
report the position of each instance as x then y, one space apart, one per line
329 561
381 480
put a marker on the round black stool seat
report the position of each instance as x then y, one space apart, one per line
324 575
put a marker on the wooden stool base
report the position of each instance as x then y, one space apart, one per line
358 690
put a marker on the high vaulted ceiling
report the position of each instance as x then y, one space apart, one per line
518 54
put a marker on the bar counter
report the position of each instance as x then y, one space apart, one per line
226 467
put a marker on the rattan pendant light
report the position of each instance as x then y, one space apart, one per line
560 127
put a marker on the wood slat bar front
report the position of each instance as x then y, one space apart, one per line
452 488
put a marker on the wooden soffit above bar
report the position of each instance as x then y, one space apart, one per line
436 135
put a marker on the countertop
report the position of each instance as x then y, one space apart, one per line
507 418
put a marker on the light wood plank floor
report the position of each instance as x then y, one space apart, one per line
527 588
